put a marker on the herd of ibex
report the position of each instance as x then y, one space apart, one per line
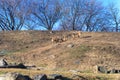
56 39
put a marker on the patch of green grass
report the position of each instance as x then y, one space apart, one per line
22 50
42 65
3 52
101 78
78 52
2 72
87 71
10 52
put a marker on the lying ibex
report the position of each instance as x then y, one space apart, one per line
66 37
54 39
58 39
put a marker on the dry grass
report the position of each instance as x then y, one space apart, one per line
36 48
90 76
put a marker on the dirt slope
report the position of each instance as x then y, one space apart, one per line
74 53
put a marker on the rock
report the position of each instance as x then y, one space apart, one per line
11 76
70 45
74 71
21 77
3 63
21 65
2 77
14 76
40 77
55 76
52 56
114 71
27 77
102 69
78 77
3 51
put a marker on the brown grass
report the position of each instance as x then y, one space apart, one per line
36 48
90 76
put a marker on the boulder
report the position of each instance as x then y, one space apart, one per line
114 71
27 77
21 65
102 69
70 45
2 77
21 77
3 63
78 77
14 76
55 76
40 77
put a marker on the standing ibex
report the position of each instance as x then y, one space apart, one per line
76 34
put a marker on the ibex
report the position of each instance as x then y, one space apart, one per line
55 39
58 39
76 34
64 38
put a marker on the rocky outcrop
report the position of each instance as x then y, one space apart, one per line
78 77
40 77
55 76
3 63
13 76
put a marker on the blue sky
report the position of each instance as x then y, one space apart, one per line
117 2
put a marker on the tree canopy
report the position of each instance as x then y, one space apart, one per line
83 15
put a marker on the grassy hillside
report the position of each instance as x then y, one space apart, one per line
75 53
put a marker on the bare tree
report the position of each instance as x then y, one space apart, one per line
12 14
48 13
86 15
114 16
73 11
94 13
